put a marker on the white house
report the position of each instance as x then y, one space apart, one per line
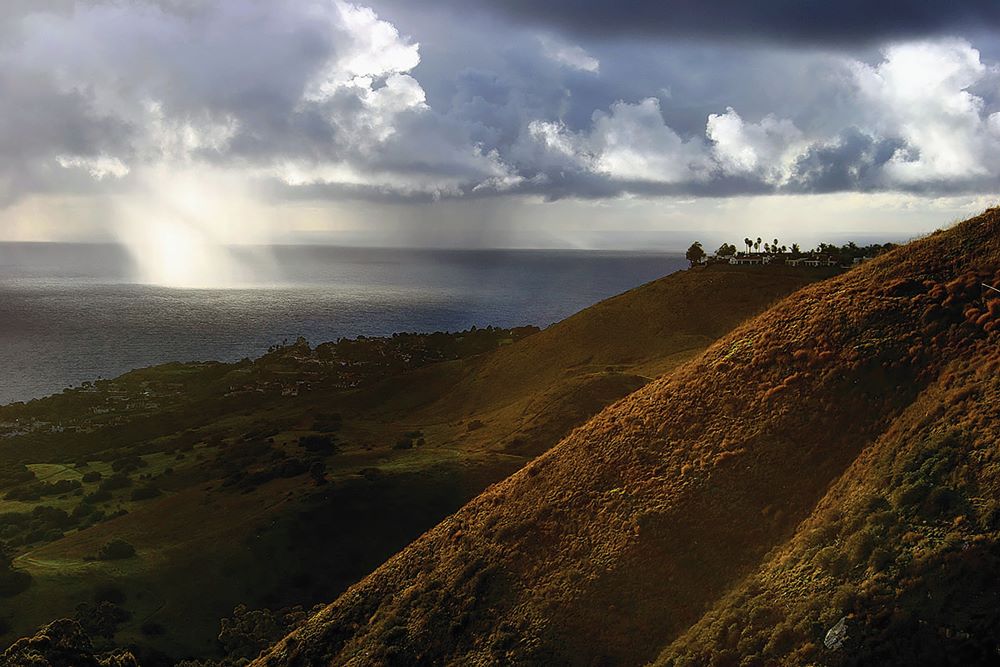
750 259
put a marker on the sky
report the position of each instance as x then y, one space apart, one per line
502 123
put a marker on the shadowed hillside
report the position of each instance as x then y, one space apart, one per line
282 481
779 467
527 396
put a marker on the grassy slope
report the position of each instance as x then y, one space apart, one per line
531 394
612 545
202 548
905 546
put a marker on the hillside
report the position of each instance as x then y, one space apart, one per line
733 511
283 480
539 389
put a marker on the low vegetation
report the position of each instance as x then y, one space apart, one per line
817 487
285 479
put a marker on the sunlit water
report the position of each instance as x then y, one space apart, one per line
70 313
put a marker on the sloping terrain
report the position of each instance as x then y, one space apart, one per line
225 504
527 396
692 494
903 551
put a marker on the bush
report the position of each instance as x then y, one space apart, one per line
115 482
109 593
116 549
322 444
327 423
62 486
152 629
50 517
13 582
146 492
99 496
128 464
101 619
16 473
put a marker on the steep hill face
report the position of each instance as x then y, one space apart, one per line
529 395
697 489
227 488
901 553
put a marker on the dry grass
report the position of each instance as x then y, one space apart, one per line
612 545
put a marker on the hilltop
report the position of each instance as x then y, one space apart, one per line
817 486
282 480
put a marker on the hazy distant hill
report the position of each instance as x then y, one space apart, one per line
833 459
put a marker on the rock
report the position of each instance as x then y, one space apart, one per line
837 635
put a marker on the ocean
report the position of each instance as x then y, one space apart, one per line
73 312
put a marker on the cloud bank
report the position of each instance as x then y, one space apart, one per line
324 99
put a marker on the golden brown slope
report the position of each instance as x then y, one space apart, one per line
611 545
905 548
530 394
256 544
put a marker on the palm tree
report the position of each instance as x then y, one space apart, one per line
756 246
774 244
748 243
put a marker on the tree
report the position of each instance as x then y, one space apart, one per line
795 249
756 245
726 250
12 581
695 253
748 243
116 549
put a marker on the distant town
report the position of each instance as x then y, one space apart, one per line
759 252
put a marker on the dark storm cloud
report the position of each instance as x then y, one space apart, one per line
798 21
852 163
327 100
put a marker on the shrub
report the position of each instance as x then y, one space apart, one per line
146 492
109 593
99 496
322 444
101 619
15 474
50 517
62 486
327 423
14 582
115 482
152 629
116 549
128 464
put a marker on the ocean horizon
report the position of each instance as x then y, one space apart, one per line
73 312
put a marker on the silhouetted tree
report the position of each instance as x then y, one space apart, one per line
12 581
695 253
725 250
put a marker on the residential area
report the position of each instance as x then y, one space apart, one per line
760 253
